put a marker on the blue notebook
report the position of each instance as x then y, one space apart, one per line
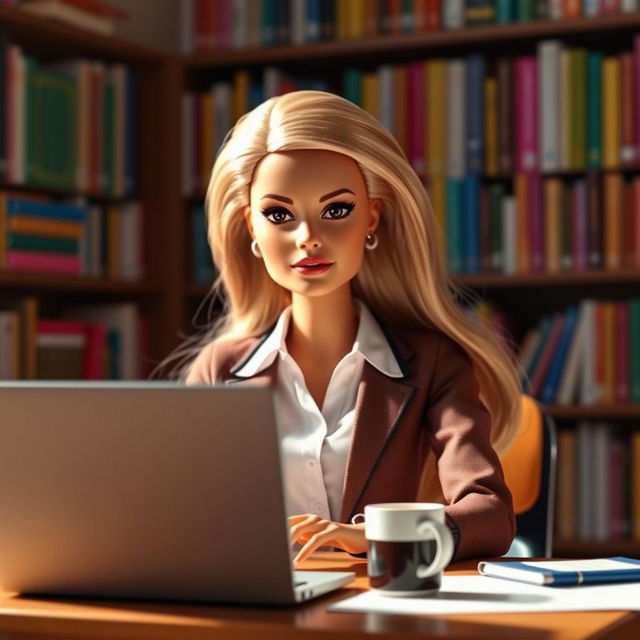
564 573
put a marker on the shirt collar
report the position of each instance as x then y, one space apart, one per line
370 342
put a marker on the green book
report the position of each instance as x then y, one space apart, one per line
41 243
634 350
579 113
525 10
51 127
594 109
505 11
352 86
454 225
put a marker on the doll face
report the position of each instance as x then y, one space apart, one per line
310 214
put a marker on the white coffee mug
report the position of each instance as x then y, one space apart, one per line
409 546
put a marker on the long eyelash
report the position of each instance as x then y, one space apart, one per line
343 205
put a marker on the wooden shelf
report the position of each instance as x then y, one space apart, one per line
67 283
415 43
580 548
596 411
41 35
547 279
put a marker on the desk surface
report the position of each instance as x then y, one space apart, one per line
46 619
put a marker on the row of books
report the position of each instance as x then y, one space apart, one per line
93 342
238 24
68 125
564 109
598 483
542 225
203 269
586 355
39 235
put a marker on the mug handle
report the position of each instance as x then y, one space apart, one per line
444 547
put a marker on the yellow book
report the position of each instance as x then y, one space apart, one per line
370 99
611 112
44 227
356 18
566 500
635 485
609 352
240 94
207 140
613 195
342 19
437 118
565 109
522 222
552 224
491 125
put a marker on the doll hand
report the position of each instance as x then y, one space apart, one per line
314 532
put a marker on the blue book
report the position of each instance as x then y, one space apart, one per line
504 11
475 113
454 225
204 271
550 385
53 211
314 21
471 224
564 573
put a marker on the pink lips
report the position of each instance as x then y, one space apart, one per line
312 266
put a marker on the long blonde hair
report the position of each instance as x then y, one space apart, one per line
405 285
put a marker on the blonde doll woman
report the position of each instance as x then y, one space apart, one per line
336 296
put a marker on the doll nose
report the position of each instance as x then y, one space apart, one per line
306 238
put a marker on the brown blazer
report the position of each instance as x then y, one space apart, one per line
435 406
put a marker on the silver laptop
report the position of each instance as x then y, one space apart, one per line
146 490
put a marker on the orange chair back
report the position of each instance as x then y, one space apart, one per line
522 461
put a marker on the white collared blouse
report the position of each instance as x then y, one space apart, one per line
315 441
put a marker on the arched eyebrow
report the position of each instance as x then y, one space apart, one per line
337 192
275 196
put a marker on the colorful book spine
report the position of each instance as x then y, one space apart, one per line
43 261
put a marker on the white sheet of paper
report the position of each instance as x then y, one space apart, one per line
481 594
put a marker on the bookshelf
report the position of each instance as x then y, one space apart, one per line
527 296
157 295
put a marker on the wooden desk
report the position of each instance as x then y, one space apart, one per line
47 619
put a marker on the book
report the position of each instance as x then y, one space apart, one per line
559 573
73 13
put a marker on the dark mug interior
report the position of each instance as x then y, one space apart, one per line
393 566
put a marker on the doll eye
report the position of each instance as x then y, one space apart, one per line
277 215
338 210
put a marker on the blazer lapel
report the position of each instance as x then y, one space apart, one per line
264 378
381 403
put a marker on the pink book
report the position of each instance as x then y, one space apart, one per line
43 261
417 107
636 93
579 225
67 327
95 351
609 6
536 224
547 355
622 347
526 112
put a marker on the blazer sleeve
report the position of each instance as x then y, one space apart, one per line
202 369
478 501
